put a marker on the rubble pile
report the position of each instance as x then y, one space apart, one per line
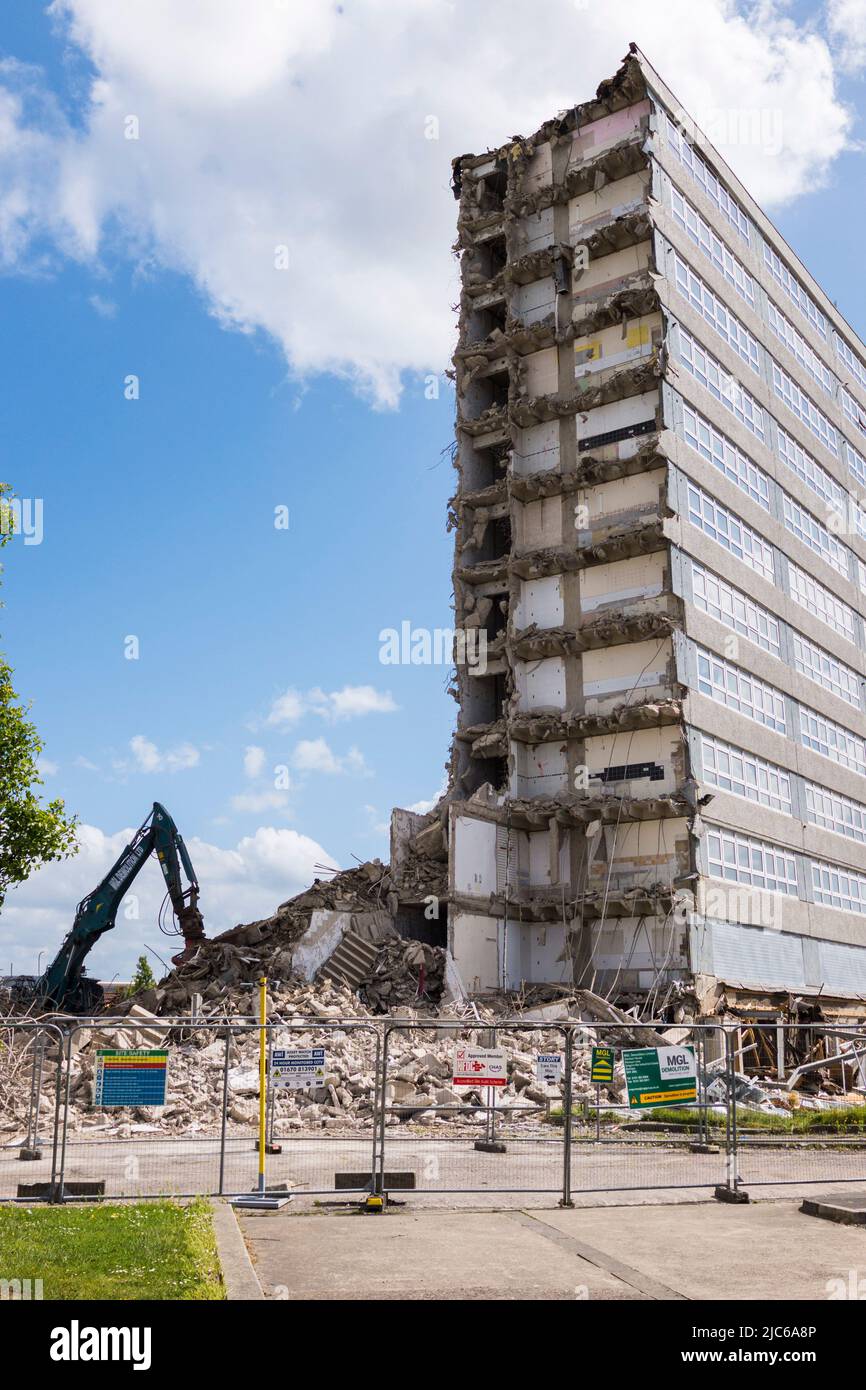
407 972
223 969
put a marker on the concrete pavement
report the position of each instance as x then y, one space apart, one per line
696 1251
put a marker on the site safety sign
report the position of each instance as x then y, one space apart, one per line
660 1075
130 1078
548 1068
601 1067
479 1066
297 1069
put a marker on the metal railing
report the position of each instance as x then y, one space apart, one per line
386 1117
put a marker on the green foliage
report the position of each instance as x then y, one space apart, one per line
142 979
31 833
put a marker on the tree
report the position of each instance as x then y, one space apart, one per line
31 833
142 979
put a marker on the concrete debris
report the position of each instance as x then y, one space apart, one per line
405 972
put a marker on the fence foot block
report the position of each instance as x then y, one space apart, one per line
704 1149
731 1194
490 1146
27 1155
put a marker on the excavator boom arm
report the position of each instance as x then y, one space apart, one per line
62 983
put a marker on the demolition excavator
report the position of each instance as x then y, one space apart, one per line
64 985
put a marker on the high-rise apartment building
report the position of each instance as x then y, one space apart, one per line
659 774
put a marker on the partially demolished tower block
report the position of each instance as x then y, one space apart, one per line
659 780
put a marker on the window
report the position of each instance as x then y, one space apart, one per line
851 360
831 740
812 474
796 400
742 859
839 888
811 532
825 670
702 298
703 174
711 374
796 343
834 812
729 531
856 463
736 610
794 290
852 410
731 686
816 599
712 246
716 448
734 770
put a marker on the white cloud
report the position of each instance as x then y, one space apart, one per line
47 768
349 703
316 755
147 757
422 807
105 308
302 125
846 24
237 885
254 761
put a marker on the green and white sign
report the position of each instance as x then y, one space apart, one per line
601 1070
660 1075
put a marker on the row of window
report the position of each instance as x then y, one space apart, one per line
711 374
727 684
741 614
729 531
721 451
730 209
726 324
716 312
804 408
794 290
743 859
703 175
717 449
797 345
821 602
712 246
735 770
834 812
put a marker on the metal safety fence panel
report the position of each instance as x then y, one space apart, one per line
503 1134
619 1141
144 1109
31 1056
323 1136
806 1121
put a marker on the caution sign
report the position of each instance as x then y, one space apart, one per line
660 1075
601 1068
297 1069
479 1066
130 1078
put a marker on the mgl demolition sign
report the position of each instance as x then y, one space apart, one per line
660 1075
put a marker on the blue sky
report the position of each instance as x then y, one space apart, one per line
308 390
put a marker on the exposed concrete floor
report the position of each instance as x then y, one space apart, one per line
697 1251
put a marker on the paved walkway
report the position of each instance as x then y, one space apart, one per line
694 1251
